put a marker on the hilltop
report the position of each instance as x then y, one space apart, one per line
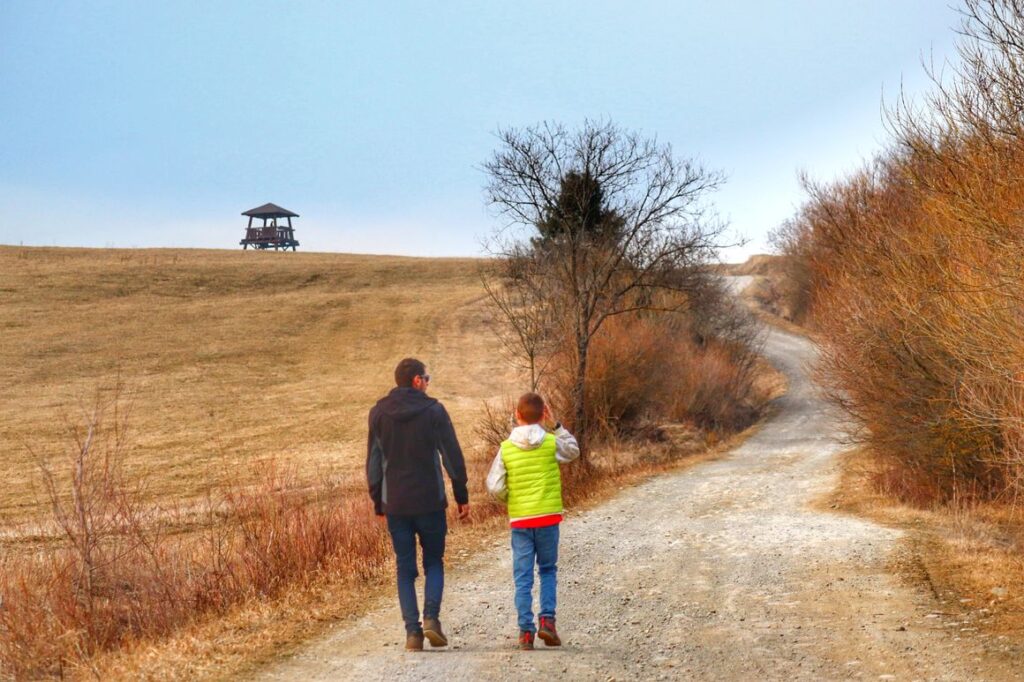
227 356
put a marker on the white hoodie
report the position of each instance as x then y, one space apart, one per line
529 437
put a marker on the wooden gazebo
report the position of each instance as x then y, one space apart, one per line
271 234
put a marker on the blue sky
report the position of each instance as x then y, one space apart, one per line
157 123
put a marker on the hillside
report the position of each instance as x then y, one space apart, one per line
229 359
228 356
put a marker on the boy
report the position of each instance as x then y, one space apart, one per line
525 476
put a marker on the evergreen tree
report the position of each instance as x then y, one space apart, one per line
579 212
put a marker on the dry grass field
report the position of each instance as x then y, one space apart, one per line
229 357
248 376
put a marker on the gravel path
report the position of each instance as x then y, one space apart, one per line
718 572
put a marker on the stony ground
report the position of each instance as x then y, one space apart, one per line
722 571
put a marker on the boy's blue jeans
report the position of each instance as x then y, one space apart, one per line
431 529
535 546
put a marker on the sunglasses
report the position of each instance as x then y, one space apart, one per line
426 378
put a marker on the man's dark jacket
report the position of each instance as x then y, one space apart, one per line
410 437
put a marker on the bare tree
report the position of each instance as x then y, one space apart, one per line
514 285
605 220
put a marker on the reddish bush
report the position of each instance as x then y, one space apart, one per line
116 568
647 369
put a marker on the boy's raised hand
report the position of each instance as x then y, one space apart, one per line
548 419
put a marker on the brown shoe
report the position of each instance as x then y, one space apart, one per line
432 631
414 641
525 640
548 633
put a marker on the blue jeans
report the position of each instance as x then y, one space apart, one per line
532 546
431 529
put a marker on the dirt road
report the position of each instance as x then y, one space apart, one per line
722 571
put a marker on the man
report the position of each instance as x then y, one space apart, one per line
410 437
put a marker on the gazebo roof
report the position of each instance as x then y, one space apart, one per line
270 211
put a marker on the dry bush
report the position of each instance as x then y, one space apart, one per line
646 372
113 573
718 388
717 391
773 296
788 294
495 422
628 375
694 368
649 368
912 273
910 345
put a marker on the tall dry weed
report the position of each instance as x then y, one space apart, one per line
116 568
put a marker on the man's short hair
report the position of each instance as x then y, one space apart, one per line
407 370
530 408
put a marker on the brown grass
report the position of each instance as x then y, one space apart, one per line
250 374
971 558
116 569
231 356
259 534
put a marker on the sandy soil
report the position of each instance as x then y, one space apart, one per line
722 571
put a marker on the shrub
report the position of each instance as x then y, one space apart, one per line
115 568
912 274
647 369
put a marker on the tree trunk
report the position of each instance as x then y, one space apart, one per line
579 396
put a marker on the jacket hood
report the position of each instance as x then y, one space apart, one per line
402 404
528 437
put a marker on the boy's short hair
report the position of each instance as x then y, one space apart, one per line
407 370
530 408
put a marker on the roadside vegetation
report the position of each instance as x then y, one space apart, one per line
910 273
603 284
187 430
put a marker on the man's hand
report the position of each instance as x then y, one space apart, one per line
463 512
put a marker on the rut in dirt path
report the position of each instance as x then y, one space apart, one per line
722 571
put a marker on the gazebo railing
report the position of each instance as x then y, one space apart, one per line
268 234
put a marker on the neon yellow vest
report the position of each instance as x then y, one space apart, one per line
534 481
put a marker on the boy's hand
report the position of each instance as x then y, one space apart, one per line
463 512
548 419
